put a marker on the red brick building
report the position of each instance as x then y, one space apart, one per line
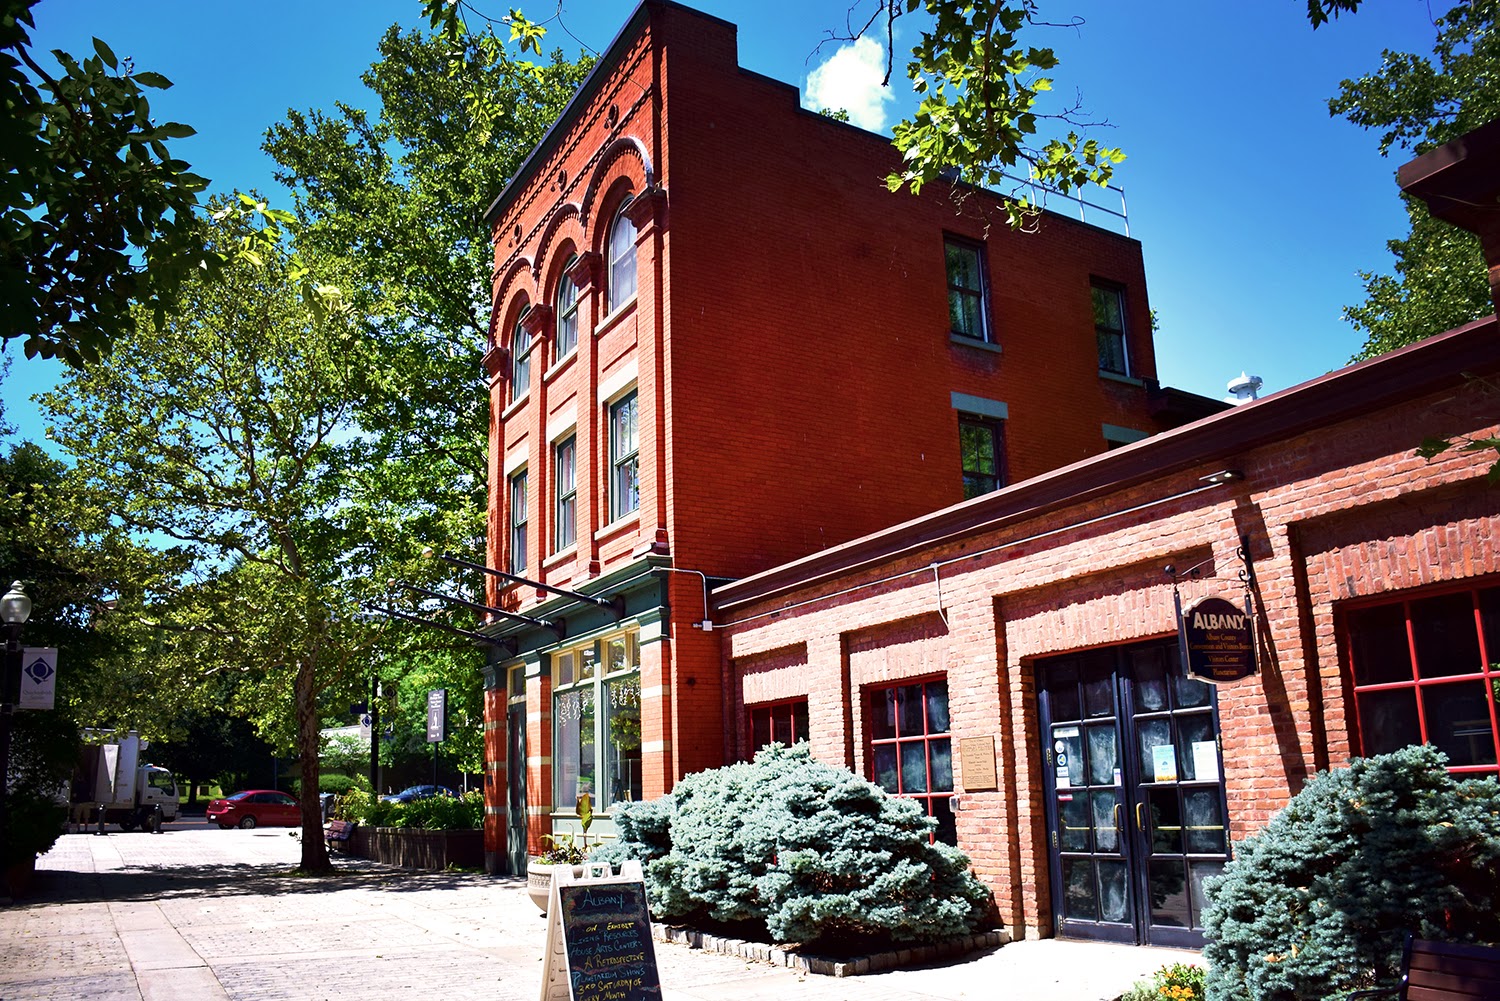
719 344
1013 661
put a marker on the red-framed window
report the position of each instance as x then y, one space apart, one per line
777 723
1425 671
910 750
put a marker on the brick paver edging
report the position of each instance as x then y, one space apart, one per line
853 966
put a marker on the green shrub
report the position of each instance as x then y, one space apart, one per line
335 783
43 753
444 813
794 850
1317 904
440 813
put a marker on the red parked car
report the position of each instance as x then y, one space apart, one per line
255 808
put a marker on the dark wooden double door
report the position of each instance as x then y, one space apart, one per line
1136 815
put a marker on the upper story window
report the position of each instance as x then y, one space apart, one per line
567 313
1425 672
565 463
1109 327
518 522
624 458
968 313
981 447
520 359
911 752
621 278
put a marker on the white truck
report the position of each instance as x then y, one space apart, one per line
112 775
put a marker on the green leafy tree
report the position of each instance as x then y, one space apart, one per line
1318 902
222 428
214 745
1416 103
395 197
97 215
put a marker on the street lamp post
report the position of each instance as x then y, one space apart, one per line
15 609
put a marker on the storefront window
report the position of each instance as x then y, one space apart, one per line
1425 671
597 720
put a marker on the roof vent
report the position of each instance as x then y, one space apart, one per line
1243 388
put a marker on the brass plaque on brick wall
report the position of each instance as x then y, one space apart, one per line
976 756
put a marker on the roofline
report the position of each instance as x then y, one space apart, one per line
611 58
591 85
1413 371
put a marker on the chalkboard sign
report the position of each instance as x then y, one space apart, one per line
599 938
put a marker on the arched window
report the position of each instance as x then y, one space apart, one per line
621 260
567 313
520 359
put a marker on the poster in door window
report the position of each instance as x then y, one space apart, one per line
1164 763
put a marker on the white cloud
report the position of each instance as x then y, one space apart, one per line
850 79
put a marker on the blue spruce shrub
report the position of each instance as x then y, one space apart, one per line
796 850
1317 903
644 832
854 866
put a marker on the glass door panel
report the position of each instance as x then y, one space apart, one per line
1086 812
1178 792
1131 835
515 783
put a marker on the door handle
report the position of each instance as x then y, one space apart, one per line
1140 821
1117 816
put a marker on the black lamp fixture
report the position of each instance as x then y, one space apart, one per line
15 609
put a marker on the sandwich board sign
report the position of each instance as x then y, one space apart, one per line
599 937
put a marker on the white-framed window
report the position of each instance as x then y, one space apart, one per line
520 359
1109 328
621 278
518 520
565 469
567 313
624 457
968 304
596 718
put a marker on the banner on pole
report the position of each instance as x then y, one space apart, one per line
38 677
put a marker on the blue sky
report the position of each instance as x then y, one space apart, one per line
1255 209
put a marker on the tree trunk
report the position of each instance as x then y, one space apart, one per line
309 741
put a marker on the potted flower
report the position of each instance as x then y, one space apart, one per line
564 851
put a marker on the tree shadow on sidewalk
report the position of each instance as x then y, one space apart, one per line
162 882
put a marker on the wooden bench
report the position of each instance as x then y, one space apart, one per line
338 830
1443 971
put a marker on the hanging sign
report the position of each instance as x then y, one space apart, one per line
38 677
437 715
599 937
1218 641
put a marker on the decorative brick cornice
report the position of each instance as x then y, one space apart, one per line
647 208
584 271
538 320
495 360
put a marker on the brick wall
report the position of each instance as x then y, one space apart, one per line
790 333
1335 513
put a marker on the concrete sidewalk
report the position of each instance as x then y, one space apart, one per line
209 914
